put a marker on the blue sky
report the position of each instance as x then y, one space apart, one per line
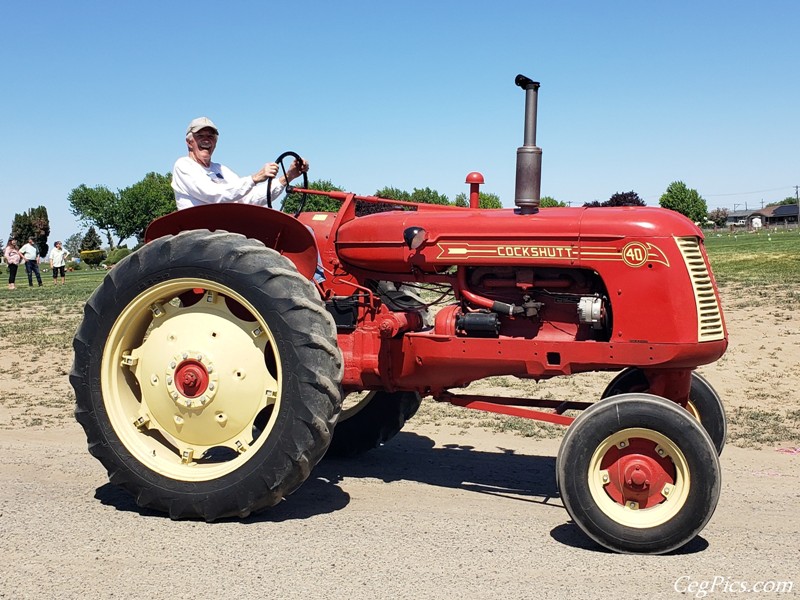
409 94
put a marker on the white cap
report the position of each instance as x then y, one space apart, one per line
201 123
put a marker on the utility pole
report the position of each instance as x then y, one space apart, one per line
797 197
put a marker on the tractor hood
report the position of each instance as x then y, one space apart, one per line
576 237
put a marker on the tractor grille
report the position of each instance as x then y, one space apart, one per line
709 316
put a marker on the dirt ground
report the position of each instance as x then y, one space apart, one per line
450 508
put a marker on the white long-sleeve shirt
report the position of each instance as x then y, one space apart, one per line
195 184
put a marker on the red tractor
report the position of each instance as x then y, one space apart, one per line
211 363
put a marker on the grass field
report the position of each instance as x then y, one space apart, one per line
758 258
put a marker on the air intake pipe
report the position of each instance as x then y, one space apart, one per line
529 155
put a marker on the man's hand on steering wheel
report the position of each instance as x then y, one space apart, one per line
299 167
268 171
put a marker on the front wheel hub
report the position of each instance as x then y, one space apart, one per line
637 475
637 471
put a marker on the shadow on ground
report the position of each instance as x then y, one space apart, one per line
412 457
569 534
408 457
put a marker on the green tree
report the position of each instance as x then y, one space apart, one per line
719 216
684 200
91 241
428 196
625 199
787 200
393 194
73 244
549 202
124 213
619 199
485 200
141 203
314 203
95 206
32 224
21 228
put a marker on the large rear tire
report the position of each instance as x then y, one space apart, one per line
638 474
207 376
372 421
704 402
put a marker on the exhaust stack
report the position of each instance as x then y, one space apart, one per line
529 155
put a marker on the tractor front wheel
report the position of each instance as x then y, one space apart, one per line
638 474
206 375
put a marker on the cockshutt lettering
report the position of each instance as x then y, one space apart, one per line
535 251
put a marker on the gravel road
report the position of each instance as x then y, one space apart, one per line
436 513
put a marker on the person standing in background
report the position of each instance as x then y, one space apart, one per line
58 262
13 258
31 254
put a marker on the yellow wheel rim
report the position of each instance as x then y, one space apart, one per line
690 406
639 478
191 379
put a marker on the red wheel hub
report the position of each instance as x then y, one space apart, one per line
636 473
191 378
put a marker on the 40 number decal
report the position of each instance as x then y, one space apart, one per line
634 254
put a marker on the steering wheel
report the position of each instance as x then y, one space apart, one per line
289 188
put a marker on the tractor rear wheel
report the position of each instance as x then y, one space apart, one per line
638 474
704 402
372 421
207 376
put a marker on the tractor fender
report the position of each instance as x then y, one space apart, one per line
279 231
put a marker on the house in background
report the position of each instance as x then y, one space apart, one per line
770 216
785 214
739 218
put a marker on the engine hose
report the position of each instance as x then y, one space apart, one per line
501 308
